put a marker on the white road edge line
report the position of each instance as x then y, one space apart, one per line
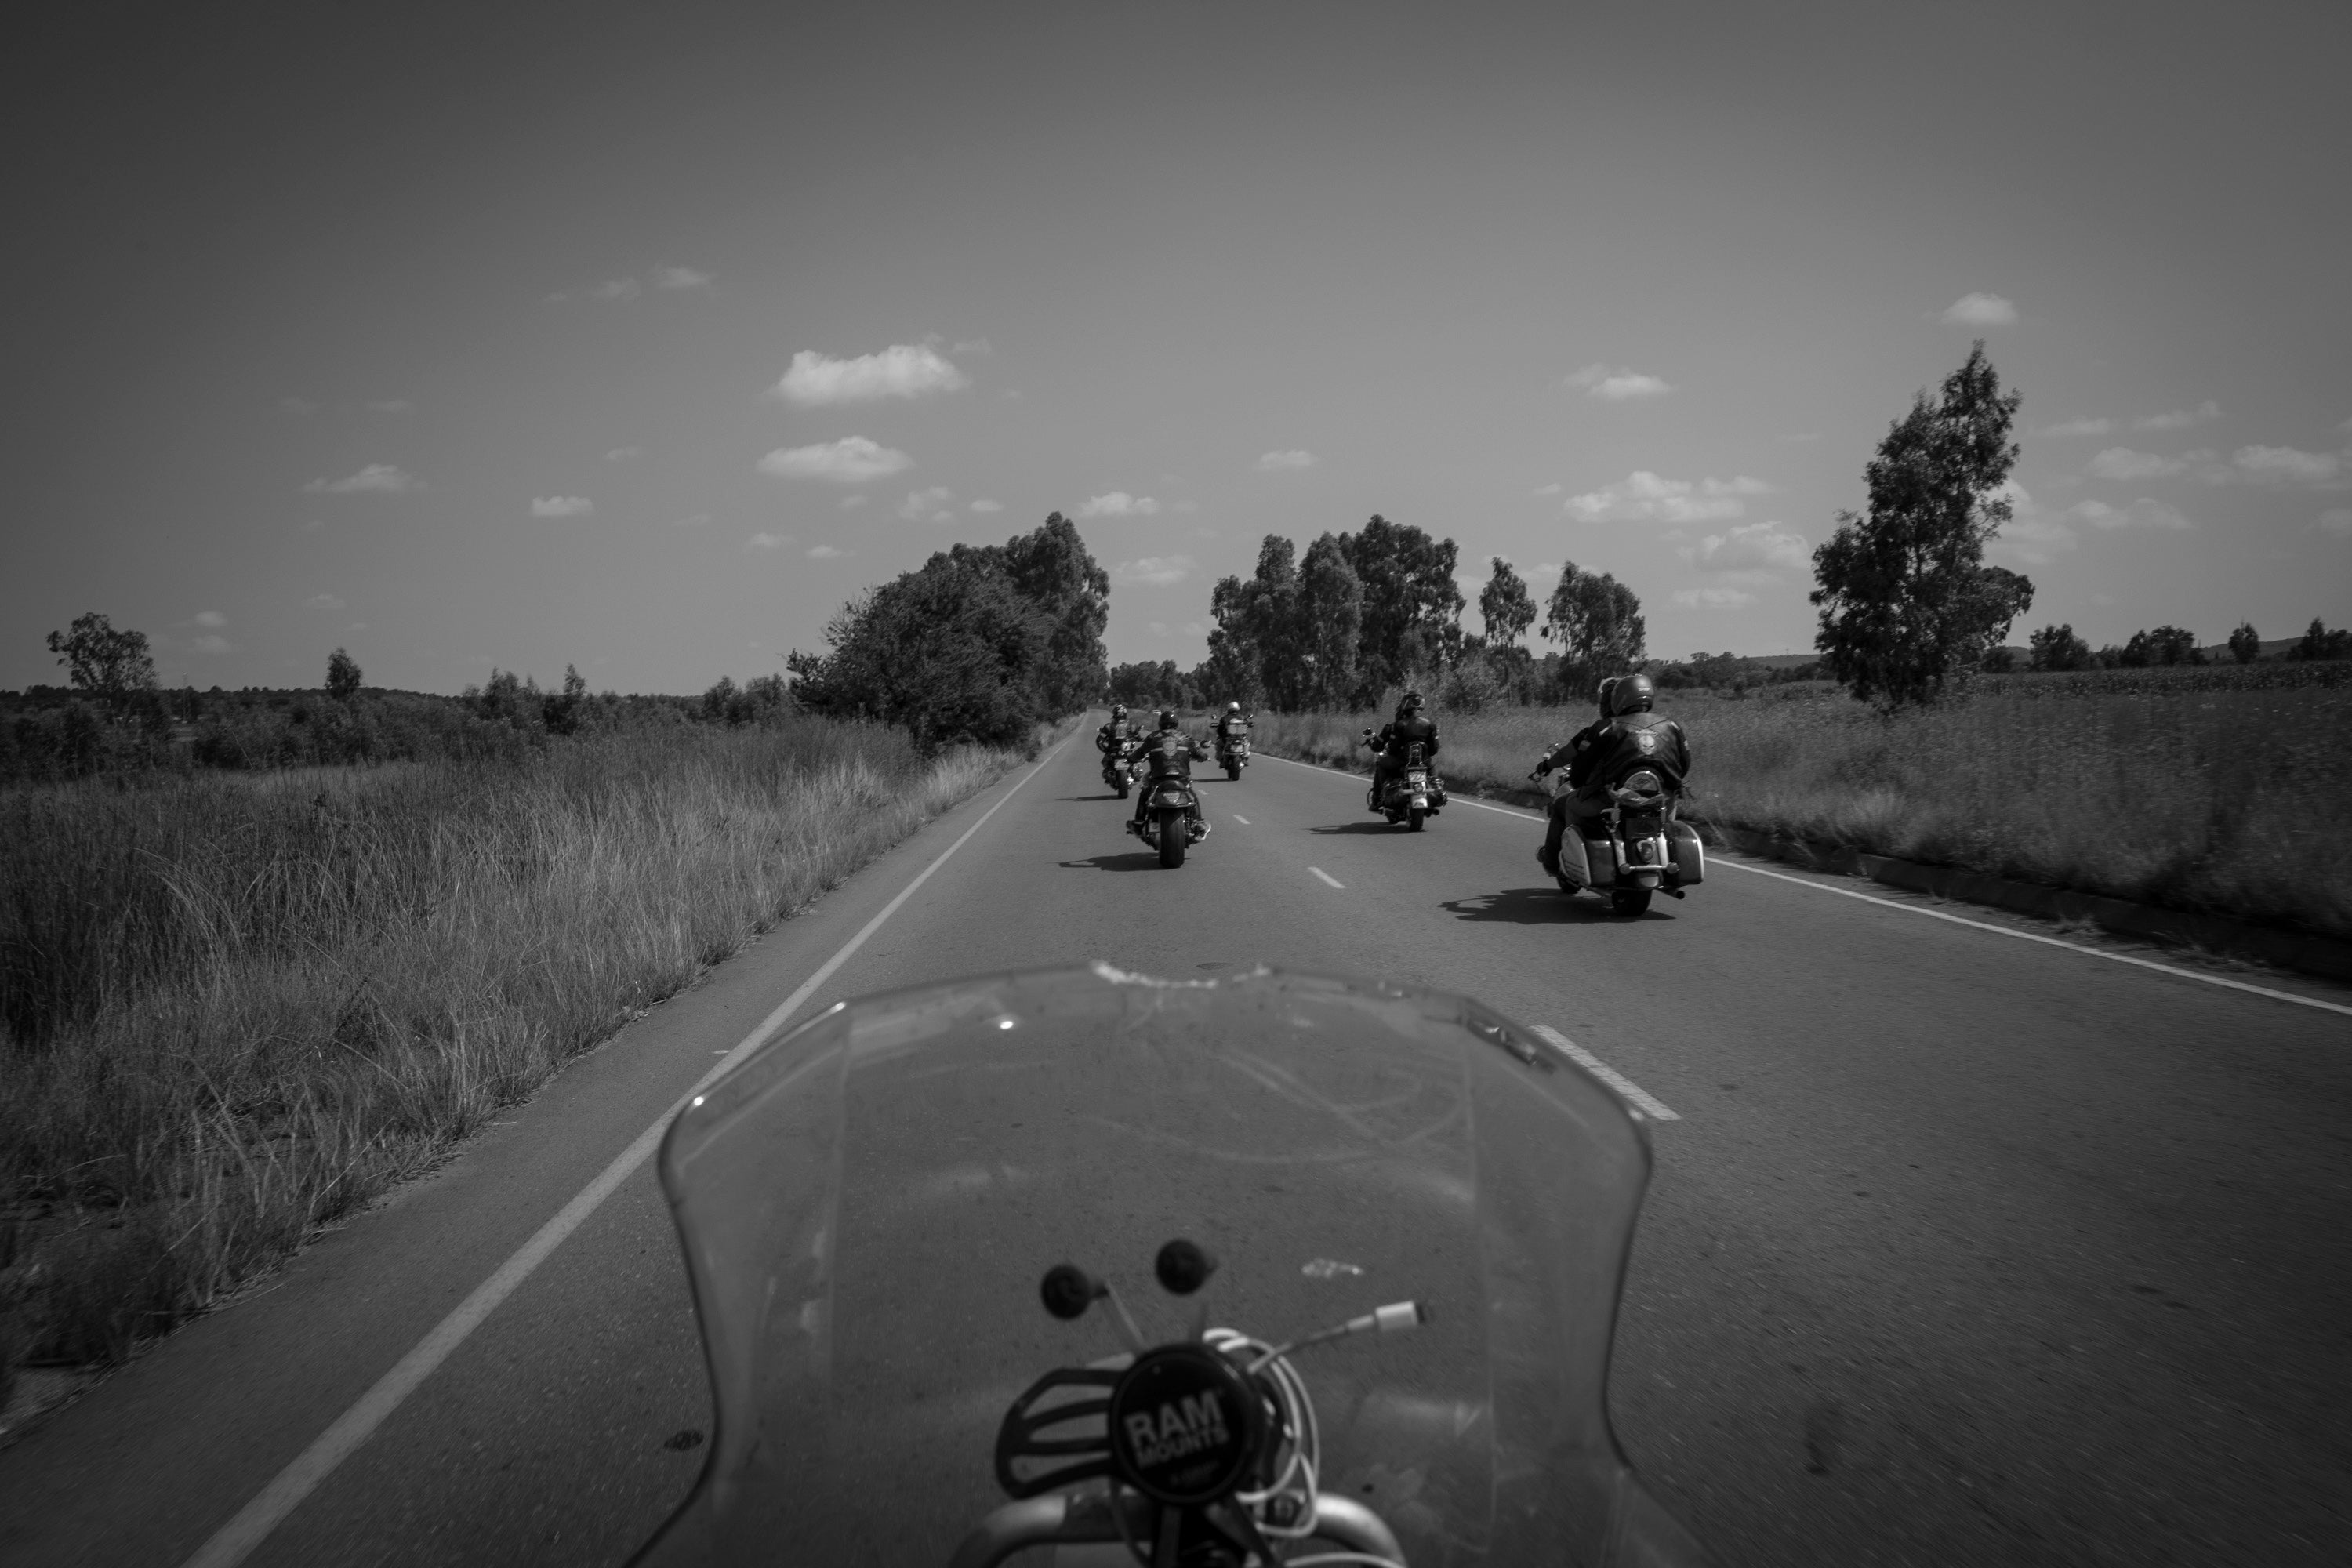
1326 876
2175 970
1242 820
1650 1105
236 1540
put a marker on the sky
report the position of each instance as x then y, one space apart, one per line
641 337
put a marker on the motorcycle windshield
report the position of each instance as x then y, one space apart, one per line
869 1203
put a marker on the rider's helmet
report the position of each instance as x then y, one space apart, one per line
1118 711
1168 717
1634 694
1233 706
1410 706
1608 696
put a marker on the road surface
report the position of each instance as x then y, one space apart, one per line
1961 1247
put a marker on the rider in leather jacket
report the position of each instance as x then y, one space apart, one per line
1167 750
1110 736
1232 728
1394 739
1628 734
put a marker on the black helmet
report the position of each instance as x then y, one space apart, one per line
1608 695
1118 709
1411 703
1634 694
1168 717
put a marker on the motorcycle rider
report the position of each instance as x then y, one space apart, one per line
1394 741
1110 736
1232 728
1168 751
1628 733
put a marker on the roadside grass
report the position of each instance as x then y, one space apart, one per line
235 1007
2235 803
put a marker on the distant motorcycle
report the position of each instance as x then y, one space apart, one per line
1118 766
1637 848
1170 819
1233 753
1414 793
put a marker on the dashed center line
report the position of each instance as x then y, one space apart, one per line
1242 820
1326 876
1650 1106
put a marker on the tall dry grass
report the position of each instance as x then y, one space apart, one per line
236 1006
2236 802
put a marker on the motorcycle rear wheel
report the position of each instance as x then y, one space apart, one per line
1233 769
1172 838
1413 817
1630 901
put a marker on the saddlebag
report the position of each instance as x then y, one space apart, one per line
1588 862
1690 855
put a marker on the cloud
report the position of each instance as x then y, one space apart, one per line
1756 547
2288 465
211 644
1643 497
2180 419
988 506
2141 513
927 505
1713 598
2123 463
324 602
1616 385
1152 571
2336 519
825 552
212 618
1277 462
612 290
1980 310
2081 427
697 521
1119 503
671 277
623 454
902 370
376 479
562 506
300 407
852 460
764 541
2030 535
1551 490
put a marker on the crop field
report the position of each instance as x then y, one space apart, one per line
2206 791
234 1007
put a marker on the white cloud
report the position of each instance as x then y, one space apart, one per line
2336 519
379 478
2141 513
208 643
697 521
1119 503
2082 427
391 405
1643 497
1618 384
765 540
902 370
2123 463
2030 536
212 618
1713 598
1551 490
852 460
927 505
2180 418
324 602
623 454
671 277
988 506
1154 571
2287 465
1980 310
562 506
1754 547
825 552
1276 462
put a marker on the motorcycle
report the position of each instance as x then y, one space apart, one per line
1170 819
1118 766
1450 1184
1414 793
1233 753
1636 849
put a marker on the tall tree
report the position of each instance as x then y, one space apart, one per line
1598 622
1330 612
1907 605
1412 610
1506 606
2245 642
343 675
109 665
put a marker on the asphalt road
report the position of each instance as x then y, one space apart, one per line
1960 1249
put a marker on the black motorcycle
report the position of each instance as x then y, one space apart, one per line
1414 793
1118 766
1170 818
1635 848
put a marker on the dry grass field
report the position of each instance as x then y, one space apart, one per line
233 1008
2209 792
